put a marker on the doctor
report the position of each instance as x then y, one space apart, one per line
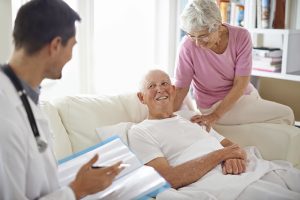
44 36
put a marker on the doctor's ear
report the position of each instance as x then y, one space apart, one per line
55 45
141 97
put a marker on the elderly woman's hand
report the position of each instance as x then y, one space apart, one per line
206 120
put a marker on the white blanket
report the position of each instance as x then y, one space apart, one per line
215 185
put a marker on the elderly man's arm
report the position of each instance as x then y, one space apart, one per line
230 166
189 172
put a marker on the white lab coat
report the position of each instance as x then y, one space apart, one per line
25 173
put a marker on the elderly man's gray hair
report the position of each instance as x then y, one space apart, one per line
143 81
199 15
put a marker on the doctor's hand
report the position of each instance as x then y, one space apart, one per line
234 166
206 120
89 180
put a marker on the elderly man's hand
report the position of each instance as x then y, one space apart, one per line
234 166
206 120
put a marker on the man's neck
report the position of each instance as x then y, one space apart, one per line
160 115
28 68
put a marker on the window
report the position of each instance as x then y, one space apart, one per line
117 42
124 43
70 83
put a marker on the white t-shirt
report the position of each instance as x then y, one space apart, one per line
169 138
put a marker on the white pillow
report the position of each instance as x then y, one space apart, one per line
120 129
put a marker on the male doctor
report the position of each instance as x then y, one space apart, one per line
44 36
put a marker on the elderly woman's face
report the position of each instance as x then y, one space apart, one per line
203 38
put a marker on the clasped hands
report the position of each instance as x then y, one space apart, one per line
234 166
206 120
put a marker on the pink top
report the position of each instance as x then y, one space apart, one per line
212 74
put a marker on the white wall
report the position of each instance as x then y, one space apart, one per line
6 27
298 15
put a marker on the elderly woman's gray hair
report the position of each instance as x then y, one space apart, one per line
199 15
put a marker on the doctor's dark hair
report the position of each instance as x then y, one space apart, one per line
38 22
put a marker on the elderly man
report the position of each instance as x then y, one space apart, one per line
198 164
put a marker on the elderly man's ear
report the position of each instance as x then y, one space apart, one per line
174 88
141 97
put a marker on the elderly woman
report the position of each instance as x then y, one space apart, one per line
217 59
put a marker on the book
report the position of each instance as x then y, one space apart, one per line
266 52
259 63
258 14
272 12
267 69
250 13
267 64
279 16
265 13
287 14
240 10
268 60
233 14
136 181
236 13
225 11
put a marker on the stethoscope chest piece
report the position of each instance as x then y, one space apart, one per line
42 145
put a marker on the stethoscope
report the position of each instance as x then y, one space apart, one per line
42 145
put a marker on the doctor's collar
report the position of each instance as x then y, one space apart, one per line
32 93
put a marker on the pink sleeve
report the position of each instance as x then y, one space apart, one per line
244 54
184 71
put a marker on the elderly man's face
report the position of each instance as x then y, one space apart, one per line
158 92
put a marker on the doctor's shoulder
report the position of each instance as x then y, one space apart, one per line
9 114
13 132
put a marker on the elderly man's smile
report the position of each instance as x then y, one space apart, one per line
161 98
